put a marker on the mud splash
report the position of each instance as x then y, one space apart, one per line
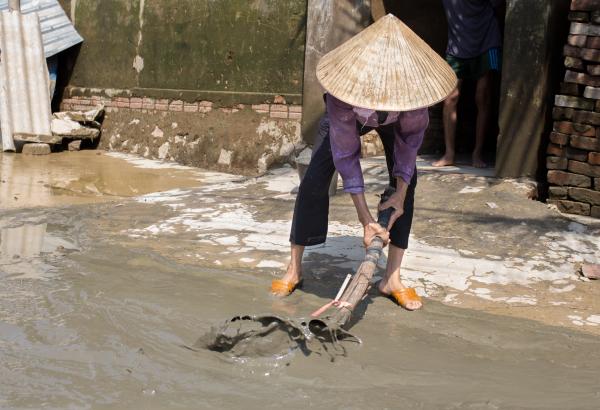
268 336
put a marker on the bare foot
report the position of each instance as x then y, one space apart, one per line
445 161
478 162
387 285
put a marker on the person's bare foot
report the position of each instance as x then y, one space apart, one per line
387 285
478 161
445 161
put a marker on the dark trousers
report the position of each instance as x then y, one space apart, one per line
309 226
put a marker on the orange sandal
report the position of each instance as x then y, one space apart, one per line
282 288
404 296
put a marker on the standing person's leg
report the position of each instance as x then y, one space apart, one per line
309 225
483 102
391 282
449 117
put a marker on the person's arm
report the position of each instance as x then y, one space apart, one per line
409 131
345 149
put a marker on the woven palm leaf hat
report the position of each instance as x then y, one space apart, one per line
386 67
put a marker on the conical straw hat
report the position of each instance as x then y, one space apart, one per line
386 67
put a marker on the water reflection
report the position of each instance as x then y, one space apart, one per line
28 241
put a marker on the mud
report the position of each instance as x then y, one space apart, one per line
99 300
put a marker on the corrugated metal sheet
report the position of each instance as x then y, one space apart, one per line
57 30
24 83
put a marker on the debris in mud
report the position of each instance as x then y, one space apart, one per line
590 270
77 124
270 336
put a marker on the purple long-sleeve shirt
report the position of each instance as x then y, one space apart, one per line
409 129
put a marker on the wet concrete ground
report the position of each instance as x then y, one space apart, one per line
100 289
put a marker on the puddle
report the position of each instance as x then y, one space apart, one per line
28 241
82 177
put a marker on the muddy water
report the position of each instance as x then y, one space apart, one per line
81 177
93 317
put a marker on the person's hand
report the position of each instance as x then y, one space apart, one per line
372 230
395 201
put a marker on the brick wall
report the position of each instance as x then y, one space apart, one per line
573 155
279 109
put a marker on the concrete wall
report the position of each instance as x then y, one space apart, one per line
233 64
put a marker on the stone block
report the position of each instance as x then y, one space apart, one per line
594 158
583 168
585 195
261 108
592 92
555 150
36 149
585 5
597 107
595 212
563 178
586 143
576 154
557 162
559 139
586 117
573 102
579 16
557 192
597 184
74 145
571 207
577 40
595 17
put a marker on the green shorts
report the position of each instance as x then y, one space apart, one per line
474 68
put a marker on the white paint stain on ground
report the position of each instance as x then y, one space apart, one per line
471 189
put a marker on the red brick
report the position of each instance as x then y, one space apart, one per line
580 16
587 143
295 116
557 162
584 168
190 107
205 104
135 100
557 192
555 150
577 40
559 139
568 89
567 127
584 29
560 113
581 78
585 5
176 105
148 103
566 178
161 107
576 154
594 158
137 105
277 114
585 195
574 63
261 108
279 108
123 104
295 108
570 207
586 117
